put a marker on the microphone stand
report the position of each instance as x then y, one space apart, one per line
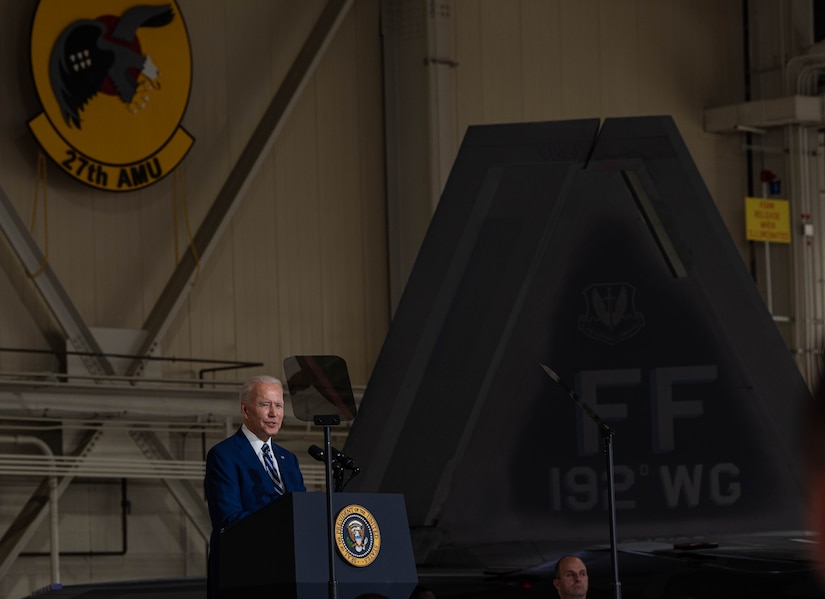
327 422
607 445
606 434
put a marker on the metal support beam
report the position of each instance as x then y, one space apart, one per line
758 115
34 512
238 181
190 499
65 314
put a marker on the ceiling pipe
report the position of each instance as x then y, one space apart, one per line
54 529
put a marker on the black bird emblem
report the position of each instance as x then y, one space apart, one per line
102 55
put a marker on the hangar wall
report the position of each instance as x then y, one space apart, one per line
536 60
301 265
317 253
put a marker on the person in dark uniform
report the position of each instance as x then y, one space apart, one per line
570 578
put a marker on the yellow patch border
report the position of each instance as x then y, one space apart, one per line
106 166
341 535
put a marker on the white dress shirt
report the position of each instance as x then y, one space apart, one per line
257 445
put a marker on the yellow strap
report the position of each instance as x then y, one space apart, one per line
41 178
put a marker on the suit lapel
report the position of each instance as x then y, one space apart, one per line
246 451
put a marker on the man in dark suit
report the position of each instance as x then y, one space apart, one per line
241 474
570 578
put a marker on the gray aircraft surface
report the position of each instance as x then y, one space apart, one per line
593 249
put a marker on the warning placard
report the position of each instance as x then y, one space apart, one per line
767 220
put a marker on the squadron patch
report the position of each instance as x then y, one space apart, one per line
610 313
113 78
357 536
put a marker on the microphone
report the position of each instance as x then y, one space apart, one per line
338 459
347 462
319 454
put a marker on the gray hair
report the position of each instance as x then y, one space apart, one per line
249 387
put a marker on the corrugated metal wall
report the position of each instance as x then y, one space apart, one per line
300 268
305 263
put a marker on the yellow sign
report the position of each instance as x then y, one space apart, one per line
767 220
114 78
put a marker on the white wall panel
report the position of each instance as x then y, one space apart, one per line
339 224
502 83
534 60
298 263
18 329
581 72
372 192
209 308
541 75
302 266
619 49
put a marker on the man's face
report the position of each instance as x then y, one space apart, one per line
263 414
572 581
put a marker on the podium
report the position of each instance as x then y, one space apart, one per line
282 550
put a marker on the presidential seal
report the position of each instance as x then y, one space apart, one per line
113 77
357 536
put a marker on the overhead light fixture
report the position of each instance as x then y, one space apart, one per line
749 129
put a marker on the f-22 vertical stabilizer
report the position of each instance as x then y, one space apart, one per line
598 252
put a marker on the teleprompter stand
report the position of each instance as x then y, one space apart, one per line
321 392
606 434
328 421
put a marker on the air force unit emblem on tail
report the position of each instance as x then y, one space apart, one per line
610 315
113 78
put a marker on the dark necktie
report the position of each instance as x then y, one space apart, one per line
270 468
